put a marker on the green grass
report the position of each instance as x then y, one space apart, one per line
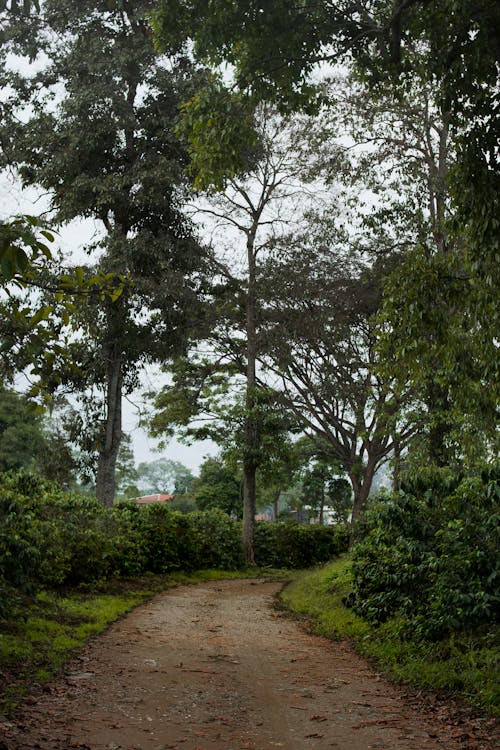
50 629
463 664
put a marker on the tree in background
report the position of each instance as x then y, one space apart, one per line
244 221
165 476
21 432
56 459
34 442
324 488
274 48
218 487
126 471
100 139
321 354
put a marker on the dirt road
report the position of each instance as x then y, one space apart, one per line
217 667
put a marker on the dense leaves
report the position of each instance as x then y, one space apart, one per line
49 538
430 554
99 139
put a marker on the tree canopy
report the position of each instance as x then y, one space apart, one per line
99 137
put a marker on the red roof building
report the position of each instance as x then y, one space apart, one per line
148 499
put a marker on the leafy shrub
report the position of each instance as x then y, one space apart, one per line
49 538
27 539
290 545
432 558
217 540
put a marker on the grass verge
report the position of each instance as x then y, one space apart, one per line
463 664
48 630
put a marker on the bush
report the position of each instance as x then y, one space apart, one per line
433 557
290 545
217 540
49 538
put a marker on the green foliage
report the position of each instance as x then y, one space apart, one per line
323 488
290 545
217 541
259 39
23 244
430 556
104 148
429 336
20 432
218 487
165 476
50 538
318 593
164 538
217 126
35 646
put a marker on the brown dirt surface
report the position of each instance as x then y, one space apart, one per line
217 667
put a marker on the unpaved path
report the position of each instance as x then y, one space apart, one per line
215 666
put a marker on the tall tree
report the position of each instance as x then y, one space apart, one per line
321 353
274 47
429 333
164 475
100 139
245 221
324 487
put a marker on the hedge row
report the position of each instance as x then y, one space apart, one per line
430 556
49 538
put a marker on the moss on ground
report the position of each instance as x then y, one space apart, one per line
49 630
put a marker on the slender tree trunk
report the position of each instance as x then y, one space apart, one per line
251 434
275 504
322 503
396 467
249 507
106 469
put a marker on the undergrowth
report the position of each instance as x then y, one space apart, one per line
465 664
49 629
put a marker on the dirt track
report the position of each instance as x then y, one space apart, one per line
216 666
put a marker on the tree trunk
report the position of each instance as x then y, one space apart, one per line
275 504
322 502
396 467
361 485
360 498
249 507
251 436
105 479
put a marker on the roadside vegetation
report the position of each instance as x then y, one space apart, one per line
307 252
50 628
418 591
69 567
